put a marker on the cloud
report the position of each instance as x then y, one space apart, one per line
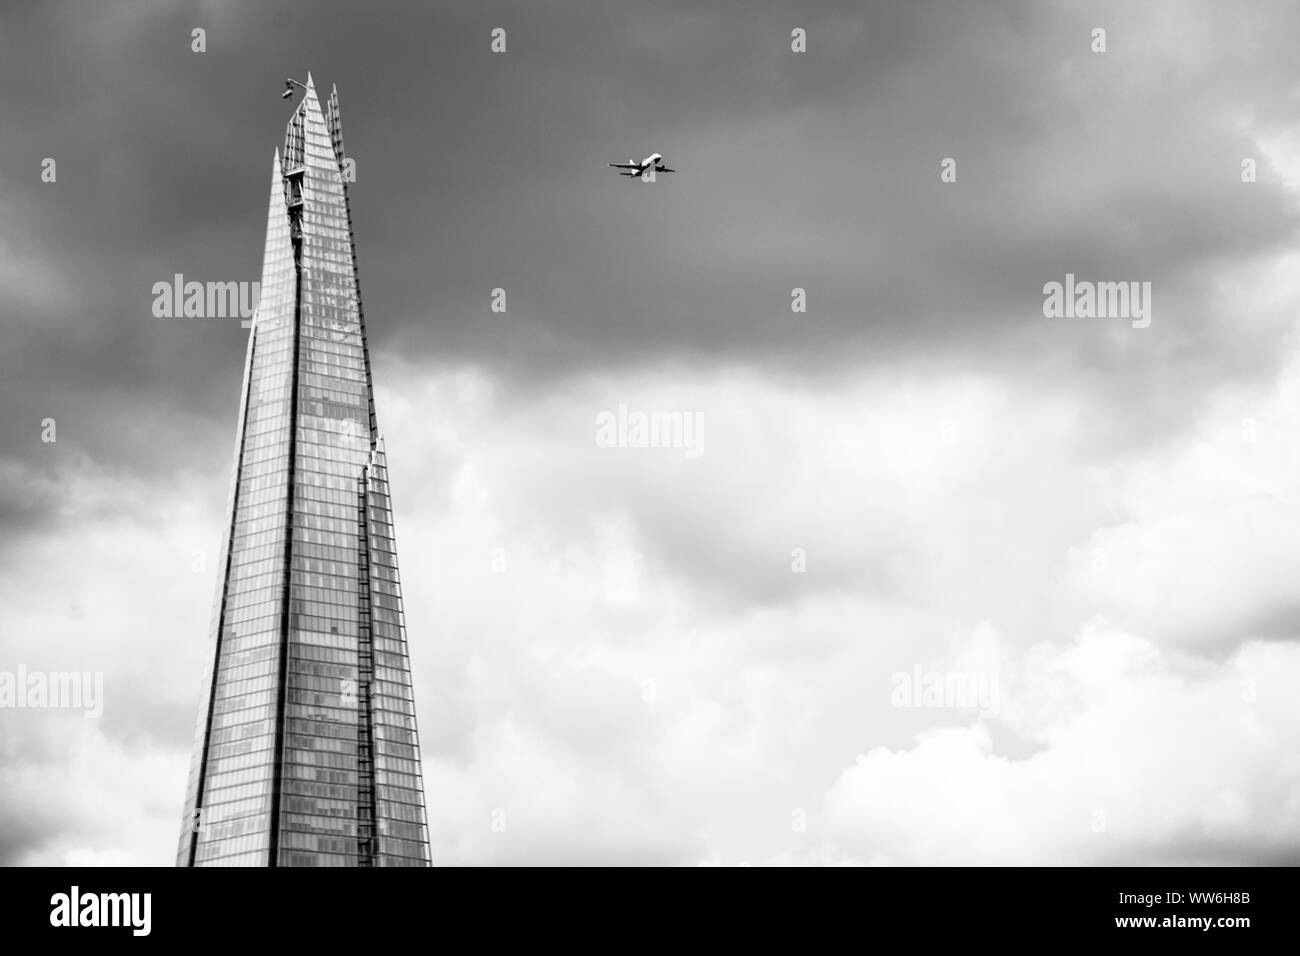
77 796
640 655
1141 762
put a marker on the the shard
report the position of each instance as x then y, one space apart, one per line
306 751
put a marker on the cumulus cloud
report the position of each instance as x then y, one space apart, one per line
1140 761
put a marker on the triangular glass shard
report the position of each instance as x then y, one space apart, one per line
306 751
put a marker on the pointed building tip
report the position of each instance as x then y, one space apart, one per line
310 95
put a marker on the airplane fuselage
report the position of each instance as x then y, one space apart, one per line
645 169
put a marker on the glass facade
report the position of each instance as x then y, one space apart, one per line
306 752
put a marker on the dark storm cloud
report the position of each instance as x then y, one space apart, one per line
20 834
478 171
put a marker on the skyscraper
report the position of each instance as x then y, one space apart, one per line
306 751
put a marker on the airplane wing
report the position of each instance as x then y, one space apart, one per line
636 166
664 169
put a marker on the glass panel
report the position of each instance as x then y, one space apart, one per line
329 669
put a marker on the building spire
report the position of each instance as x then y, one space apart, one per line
302 662
334 120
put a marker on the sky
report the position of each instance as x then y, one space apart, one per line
713 655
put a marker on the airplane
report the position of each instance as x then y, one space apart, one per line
654 163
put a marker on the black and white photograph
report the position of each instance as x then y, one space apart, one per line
650 434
